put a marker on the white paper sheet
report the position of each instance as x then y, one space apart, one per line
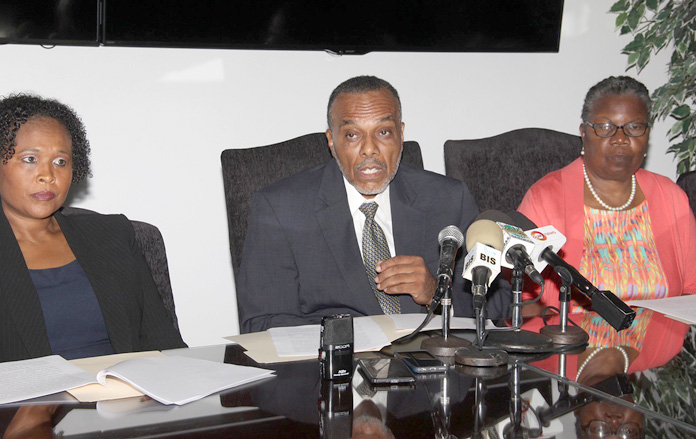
412 321
179 380
20 380
682 308
293 341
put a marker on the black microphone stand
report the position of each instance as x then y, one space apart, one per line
476 355
518 339
444 345
564 334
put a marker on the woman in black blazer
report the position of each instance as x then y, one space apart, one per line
76 286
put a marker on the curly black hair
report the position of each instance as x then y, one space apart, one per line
17 109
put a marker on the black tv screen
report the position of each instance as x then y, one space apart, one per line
50 22
341 26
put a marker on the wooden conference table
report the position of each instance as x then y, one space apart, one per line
515 401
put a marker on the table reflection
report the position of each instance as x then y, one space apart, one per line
514 401
34 422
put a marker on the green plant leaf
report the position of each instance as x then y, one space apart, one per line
621 19
636 45
659 43
620 6
681 48
688 146
680 148
676 129
632 59
663 15
634 16
681 111
625 29
643 58
683 167
651 4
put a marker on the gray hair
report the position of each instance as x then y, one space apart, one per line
615 85
360 84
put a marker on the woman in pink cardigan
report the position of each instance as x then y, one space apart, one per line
629 231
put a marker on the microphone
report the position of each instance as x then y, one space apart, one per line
484 239
605 303
544 238
517 246
450 239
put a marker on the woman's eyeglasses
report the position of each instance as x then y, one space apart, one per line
631 129
600 429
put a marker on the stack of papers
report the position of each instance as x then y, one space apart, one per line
294 343
20 380
681 308
180 380
169 380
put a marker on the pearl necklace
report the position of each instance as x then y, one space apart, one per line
598 350
605 205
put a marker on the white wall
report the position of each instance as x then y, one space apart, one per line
158 120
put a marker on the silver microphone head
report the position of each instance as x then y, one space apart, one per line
451 232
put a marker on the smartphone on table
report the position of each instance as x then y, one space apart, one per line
421 362
385 372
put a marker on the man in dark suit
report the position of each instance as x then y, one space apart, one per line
304 252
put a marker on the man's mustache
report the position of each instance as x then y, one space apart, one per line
370 162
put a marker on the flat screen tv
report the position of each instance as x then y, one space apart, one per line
50 22
340 26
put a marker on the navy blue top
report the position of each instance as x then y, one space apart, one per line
74 321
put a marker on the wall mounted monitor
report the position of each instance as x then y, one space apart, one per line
340 26
50 22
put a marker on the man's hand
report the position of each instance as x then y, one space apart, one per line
406 275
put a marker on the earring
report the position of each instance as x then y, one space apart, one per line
645 154
582 151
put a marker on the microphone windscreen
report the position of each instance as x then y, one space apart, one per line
518 219
494 215
486 232
451 232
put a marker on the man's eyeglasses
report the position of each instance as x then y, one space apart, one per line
600 429
631 129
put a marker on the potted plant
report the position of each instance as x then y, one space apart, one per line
656 25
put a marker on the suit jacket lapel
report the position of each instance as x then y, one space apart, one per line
92 261
20 294
338 231
408 223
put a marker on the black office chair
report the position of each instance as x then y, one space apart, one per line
687 181
152 247
500 169
247 170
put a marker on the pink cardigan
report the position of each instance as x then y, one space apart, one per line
558 200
